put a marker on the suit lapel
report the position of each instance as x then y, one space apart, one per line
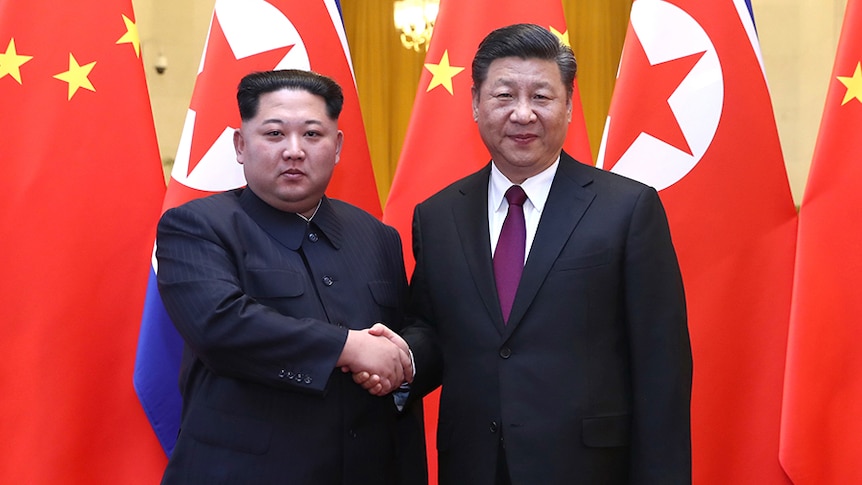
471 222
567 202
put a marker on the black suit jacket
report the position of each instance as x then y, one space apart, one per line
590 380
264 301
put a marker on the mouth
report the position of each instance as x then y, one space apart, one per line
292 174
523 138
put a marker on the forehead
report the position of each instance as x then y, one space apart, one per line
516 71
295 101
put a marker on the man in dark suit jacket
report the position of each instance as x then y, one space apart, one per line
584 376
273 288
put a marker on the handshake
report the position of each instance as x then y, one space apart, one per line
378 358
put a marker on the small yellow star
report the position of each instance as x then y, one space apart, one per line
11 62
563 36
443 73
853 84
76 76
131 36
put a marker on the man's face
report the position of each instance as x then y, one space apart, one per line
523 111
289 150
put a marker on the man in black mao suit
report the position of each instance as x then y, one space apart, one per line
588 380
273 288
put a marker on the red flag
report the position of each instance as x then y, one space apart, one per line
442 142
79 211
821 433
691 115
256 35
245 36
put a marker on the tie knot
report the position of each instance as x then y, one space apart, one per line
516 195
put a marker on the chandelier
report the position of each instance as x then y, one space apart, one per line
415 19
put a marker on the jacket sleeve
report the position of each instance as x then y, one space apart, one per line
660 349
231 332
419 332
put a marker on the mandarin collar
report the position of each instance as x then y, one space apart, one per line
289 228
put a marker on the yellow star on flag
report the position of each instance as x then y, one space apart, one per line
563 36
853 84
443 73
76 76
11 62
131 36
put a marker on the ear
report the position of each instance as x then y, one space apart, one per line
238 145
474 91
569 109
339 143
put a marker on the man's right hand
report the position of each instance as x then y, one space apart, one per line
376 356
373 383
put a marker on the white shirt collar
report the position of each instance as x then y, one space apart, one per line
536 187
308 219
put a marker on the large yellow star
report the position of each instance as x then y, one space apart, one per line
131 36
11 62
76 76
853 84
563 36
443 73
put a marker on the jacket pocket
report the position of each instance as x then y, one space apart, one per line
273 283
586 261
606 431
384 293
236 432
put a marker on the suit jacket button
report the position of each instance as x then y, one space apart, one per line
505 352
282 373
312 237
327 280
493 427
290 375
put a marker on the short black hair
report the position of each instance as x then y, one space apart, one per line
527 41
253 85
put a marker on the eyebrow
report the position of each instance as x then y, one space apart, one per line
281 122
509 82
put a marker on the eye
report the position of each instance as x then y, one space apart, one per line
273 133
503 95
313 134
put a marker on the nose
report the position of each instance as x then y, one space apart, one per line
292 149
523 112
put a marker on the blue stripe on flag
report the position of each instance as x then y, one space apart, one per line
751 12
157 367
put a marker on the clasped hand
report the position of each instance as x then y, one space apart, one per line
378 358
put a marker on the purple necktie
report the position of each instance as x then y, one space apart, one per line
509 255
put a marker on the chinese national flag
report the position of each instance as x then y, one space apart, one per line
442 142
244 36
691 115
821 430
78 213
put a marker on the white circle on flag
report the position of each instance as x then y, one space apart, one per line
250 27
667 32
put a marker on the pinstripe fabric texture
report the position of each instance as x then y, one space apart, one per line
264 300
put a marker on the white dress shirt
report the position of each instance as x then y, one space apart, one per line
536 187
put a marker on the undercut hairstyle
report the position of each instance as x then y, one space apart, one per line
527 41
256 84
